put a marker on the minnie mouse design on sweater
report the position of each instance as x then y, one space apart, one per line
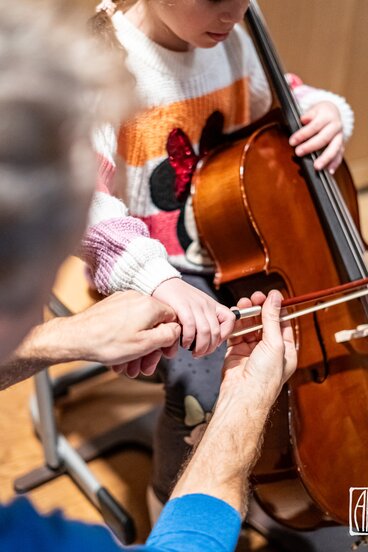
171 180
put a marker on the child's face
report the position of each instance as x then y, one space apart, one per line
197 23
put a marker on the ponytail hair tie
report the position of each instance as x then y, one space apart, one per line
107 6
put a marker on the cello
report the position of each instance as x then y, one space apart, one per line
275 222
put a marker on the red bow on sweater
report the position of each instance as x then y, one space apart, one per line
183 160
182 157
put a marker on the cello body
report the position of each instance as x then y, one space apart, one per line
255 215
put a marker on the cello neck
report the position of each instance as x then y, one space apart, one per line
273 67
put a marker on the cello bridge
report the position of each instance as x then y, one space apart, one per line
347 335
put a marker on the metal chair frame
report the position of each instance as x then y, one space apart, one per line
61 457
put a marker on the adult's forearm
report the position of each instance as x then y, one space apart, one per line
222 462
253 375
123 327
53 342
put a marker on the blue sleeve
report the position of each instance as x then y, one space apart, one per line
196 522
22 529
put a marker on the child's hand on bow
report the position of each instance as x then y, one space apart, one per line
205 322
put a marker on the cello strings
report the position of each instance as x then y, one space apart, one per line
346 222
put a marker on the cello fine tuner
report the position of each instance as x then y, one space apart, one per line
346 335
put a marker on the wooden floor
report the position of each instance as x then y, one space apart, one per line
91 409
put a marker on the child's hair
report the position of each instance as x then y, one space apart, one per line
50 74
100 24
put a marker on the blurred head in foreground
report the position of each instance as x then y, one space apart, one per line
56 85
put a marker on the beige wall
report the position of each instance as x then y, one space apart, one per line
326 43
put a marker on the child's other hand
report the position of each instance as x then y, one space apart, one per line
322 129
202 318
